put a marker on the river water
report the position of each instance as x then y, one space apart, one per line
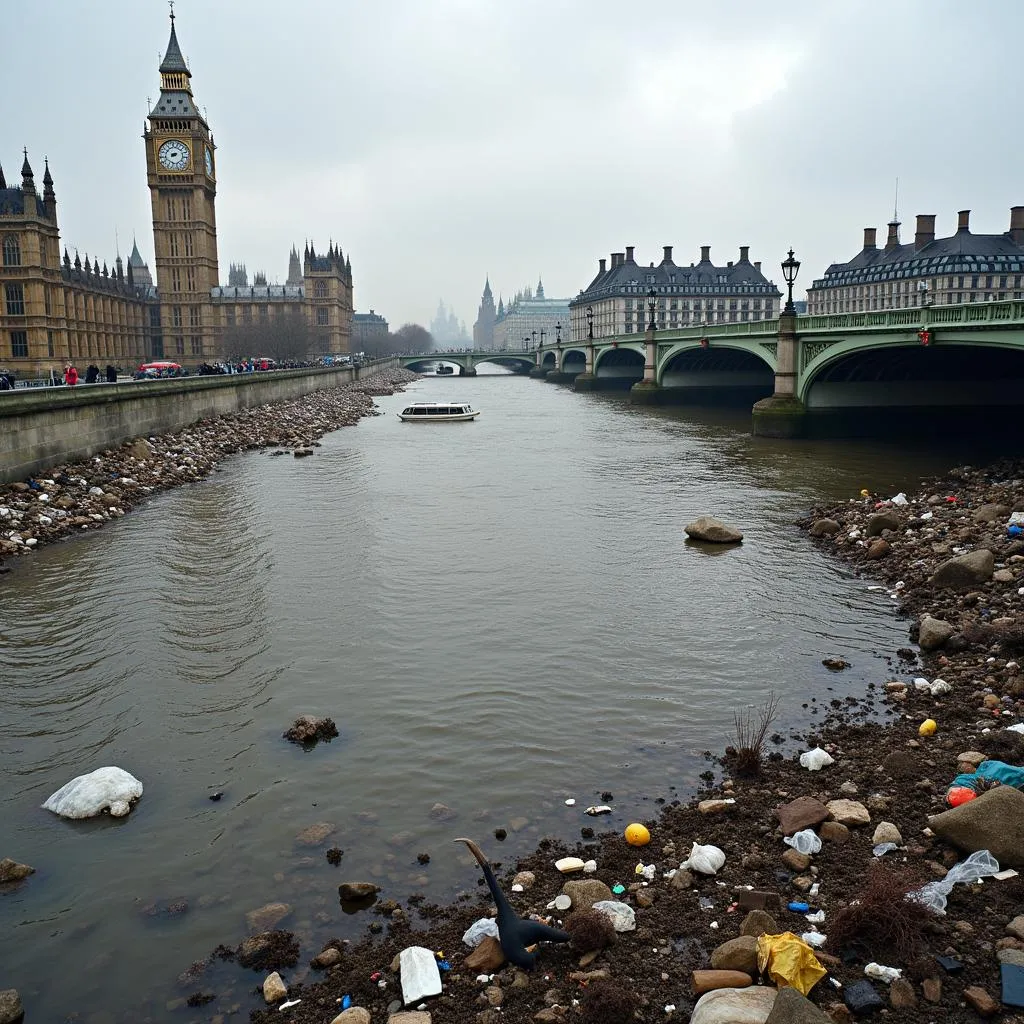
498 615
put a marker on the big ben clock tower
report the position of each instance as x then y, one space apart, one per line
183 186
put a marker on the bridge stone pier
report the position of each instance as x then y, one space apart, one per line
833 374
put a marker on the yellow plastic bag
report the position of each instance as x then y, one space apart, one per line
789 961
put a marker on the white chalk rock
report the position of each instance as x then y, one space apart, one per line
622 915
567 865
106 789
420 976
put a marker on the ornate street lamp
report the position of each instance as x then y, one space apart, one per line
526 343
533 334
790 268
542 339
651 297
558 334
590 323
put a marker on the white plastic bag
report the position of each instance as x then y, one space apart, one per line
708 860
899 499
807 841
814 939
880 973
816 759
478 930
980 864
1019 727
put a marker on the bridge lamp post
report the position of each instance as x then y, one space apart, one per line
542 339
652 296
590 323
526 343
533 334
558 334
790 268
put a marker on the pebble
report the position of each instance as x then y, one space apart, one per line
274 989
567 865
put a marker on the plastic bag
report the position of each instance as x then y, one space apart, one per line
806 841
816 759
708 860
987 771
814 939
980 864
899 499
478 930
1019 727
789 961
880 973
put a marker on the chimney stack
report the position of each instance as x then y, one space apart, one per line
629 253
1017 224
667 258
893 240
602 266
744 253
925 230
729 264
705 253
757 266
869 238
963 220
617 259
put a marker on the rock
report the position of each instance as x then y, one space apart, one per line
715 806
585 892
849 812
11 1010
887 832
803 812
708 981
796 861
421 978
12 871
971 757
902 995
274 989
309 729
933 633
877 549
991 513
442 812
734 1006
755 899
993 821
1011 956
410 1017
736 955
302 453
353 892
1003 576
314 835
708 528
861 998
833 832
1016 927
360 1015
965 571
793 1008
486 958
86 796
568 865
525 878
141 449
622 915
931 988
267 917
682 879
824 528
835 664
759 922
879 521
982 1002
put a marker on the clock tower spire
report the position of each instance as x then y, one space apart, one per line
182 184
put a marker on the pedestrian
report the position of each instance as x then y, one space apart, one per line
111 372
70 375
92 373
6 383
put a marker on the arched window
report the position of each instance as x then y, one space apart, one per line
12 251
320 290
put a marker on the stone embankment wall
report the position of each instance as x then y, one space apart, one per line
39 428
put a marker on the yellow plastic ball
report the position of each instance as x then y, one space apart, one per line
637 835
927 727
865 493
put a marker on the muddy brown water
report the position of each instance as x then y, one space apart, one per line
498 615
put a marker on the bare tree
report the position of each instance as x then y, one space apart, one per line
409 339
285 338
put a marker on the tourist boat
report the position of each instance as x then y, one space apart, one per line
444 371
438 412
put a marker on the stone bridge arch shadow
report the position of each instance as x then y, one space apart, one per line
618 369
517 364
716 375
955 389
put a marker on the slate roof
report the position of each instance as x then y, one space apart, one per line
173 60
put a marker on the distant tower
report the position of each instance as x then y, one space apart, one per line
540 289
483 329
294 268
137 269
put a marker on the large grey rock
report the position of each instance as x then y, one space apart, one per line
585 892
734 1006
714 530
274 989
353 892
965 570
12 871
736 955
934 633
793 1008
11 1010
824 528
880 521
849 812
355 1015
85 796
993 821
420 977
991 513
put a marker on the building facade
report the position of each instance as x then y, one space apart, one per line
483 329
529 319
56 311
964 267
701 293
367 327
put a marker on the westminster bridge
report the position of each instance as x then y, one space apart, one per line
800 372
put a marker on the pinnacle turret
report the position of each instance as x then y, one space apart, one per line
28 183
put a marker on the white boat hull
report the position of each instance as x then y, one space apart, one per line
421 418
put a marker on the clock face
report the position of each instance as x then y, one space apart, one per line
209 161
174 155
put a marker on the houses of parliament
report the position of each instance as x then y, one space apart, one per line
55 309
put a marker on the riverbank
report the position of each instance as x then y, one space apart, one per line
890 776
81 496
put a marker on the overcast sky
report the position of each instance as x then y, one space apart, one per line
442 140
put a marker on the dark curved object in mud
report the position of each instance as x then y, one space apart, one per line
515 933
